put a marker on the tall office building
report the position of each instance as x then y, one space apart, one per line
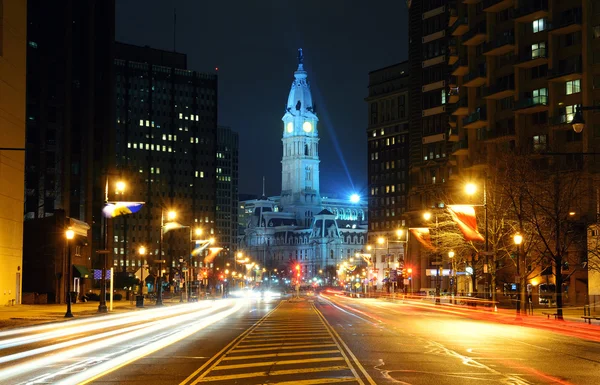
70 115
165 153
227 191
13 32
388 143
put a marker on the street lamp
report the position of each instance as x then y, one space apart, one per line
578 122
518 239
471 189
454 283
69 234
427 216
140 299
171 215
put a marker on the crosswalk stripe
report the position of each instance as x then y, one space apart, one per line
324 336
287 354
271 363
274 373
284 343
316 381
279 347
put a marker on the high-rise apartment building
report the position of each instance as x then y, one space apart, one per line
497 76
388 143
430 166
166 149
519 71
70 127
227 191
13 32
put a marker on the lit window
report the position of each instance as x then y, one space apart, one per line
538 50
151 170
141 122
135 145
128 145
383 131
141 146
569 113
147 146
540 96
164 137
191 140
539 142
201 174
147 123
170 137
164 148
180 115
196 140
539 25
196 118
374 133
573 86
152 147
158 170
443 96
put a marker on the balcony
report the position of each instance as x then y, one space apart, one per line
452 120
560 122
500 45
499 134
568 23
452 12
460 108
460 27
460 148
475 35
460 67
475 78
496 5
453 95
453 134
531 105
565 72
530 10
533 58
452 53
477 119
499 90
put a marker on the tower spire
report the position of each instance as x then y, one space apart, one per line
300 60
263 194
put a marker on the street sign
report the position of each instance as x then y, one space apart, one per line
160 261
184 269
102 251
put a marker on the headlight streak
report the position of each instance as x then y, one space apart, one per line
124 359
69 330
89 324
115 340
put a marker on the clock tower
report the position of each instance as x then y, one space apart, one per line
300 160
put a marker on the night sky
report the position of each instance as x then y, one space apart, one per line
254 46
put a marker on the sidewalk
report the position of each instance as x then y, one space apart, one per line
27 315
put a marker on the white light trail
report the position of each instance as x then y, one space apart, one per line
146 330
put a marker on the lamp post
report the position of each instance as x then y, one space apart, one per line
69 234
454 283
120 187
171 215
470 189
427 216
518 239
578 122
140 298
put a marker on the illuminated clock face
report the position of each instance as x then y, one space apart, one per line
307 127
290 127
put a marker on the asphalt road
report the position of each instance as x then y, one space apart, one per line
330 339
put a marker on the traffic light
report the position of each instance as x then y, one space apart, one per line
404 275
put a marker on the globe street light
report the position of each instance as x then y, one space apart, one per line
69 234
140 298
120 185
518 239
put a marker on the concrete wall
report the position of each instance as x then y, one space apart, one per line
13 26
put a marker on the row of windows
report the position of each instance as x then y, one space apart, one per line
401 187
